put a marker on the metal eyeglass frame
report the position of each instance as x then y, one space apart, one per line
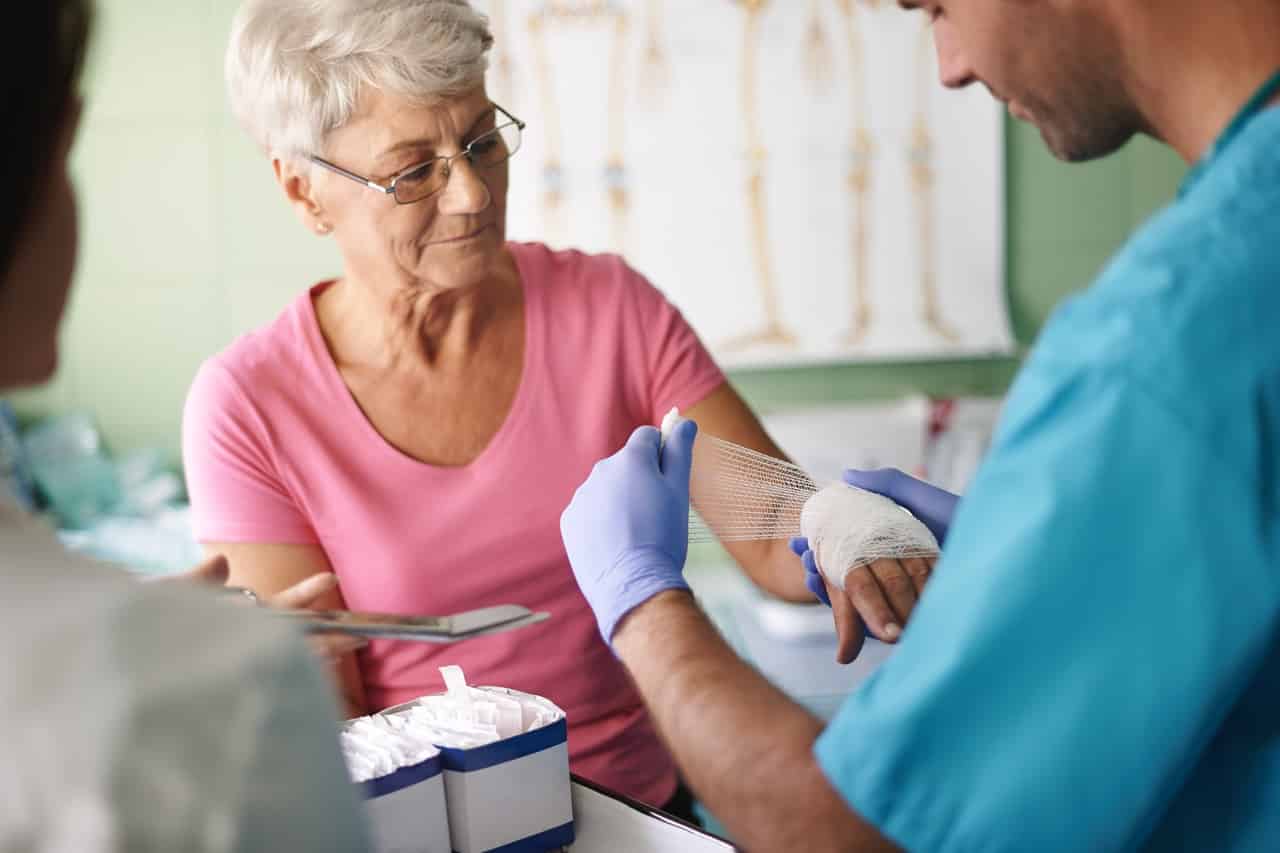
447 162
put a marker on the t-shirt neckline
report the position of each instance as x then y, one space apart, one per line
351 411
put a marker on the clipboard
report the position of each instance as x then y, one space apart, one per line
419 629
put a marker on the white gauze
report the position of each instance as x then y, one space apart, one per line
462 718
378 746
466 717
849 527
742 495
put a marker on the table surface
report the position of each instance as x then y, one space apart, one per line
605 822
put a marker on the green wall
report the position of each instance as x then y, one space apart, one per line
186 242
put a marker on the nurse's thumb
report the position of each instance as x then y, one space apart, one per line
677 454
645 442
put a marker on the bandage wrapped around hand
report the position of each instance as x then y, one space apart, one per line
848 527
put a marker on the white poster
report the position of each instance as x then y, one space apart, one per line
789 172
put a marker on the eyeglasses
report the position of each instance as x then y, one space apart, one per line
418 183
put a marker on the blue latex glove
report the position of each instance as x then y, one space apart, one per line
812 577
627 528
933 506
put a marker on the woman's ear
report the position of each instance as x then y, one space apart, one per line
295 179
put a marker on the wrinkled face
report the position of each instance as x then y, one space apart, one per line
450 240
33 290
1053 62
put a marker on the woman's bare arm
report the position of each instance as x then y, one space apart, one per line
769 563
269 569
881 595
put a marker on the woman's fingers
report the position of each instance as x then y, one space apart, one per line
898 587
304 594
301 596
885 593
331 647
867 597
919 569
849 628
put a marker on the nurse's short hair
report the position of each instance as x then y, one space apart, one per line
295 68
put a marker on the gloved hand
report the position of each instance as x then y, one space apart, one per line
813 578
627 528
931 505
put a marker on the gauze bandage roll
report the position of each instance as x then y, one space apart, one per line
742 495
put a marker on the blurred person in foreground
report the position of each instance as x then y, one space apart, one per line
137 716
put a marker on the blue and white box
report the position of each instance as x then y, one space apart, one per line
405 806
506 793
513 795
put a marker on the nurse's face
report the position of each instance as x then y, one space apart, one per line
33 290
1055 63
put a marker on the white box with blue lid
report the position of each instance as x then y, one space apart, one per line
505 761
402 780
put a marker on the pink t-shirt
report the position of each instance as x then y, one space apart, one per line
276 450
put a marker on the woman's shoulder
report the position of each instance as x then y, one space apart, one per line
260 370
275 353
589 280
568 267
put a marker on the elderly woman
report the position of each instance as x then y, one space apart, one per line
418 423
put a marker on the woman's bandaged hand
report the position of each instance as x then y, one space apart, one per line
868 558
933 506
879 597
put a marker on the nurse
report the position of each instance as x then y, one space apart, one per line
1096 664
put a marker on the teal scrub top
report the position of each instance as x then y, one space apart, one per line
1096 662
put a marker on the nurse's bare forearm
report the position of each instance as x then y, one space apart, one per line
745 748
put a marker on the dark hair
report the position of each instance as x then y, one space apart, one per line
37 90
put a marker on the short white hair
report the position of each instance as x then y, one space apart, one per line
295 68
